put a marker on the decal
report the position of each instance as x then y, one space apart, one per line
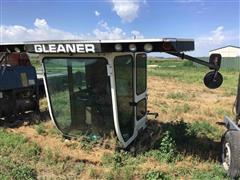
64 48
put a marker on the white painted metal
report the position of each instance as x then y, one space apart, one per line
47 95
226 156
142 122
109 41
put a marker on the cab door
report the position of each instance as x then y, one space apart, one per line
124 83
130 83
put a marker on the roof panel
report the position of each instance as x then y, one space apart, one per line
101 46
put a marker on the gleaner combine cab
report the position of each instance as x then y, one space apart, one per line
95 87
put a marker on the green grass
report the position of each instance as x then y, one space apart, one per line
178 95
191 74
182 108
22 159
216 173
204 129
155 175
15 170
14 149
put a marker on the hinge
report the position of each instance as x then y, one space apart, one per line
109 70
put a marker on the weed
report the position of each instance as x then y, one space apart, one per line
93 173
165 149
182 109
33 151
118 160
128 172
178 131
51 158
79 168
13 170
23 172
156 175
41 130
107 159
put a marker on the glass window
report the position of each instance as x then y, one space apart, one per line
80 96
141 109
141 74
123 66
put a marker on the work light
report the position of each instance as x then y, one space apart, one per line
132 47
118 47
148 47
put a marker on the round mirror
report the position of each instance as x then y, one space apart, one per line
213 80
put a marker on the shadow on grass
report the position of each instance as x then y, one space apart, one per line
187 141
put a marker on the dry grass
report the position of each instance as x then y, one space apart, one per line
174 101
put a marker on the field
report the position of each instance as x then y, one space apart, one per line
183 142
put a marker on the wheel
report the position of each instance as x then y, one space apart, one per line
231 153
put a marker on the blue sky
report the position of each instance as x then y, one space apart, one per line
211 23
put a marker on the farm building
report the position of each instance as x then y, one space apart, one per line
227 51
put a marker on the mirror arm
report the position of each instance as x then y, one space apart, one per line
193 59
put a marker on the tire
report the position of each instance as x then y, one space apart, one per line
231 153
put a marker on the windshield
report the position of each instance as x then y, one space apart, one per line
79 94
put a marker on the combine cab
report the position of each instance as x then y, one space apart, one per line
98 87
18 85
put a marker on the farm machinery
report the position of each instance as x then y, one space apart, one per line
98 87
18 85
231 140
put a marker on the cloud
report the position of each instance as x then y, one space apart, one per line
97 13
43 31
214 39
40 23
106 32
127 10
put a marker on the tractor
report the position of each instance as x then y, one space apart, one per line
18 85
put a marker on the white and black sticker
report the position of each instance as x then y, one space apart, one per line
63 48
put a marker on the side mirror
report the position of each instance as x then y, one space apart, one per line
213 79
215 59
